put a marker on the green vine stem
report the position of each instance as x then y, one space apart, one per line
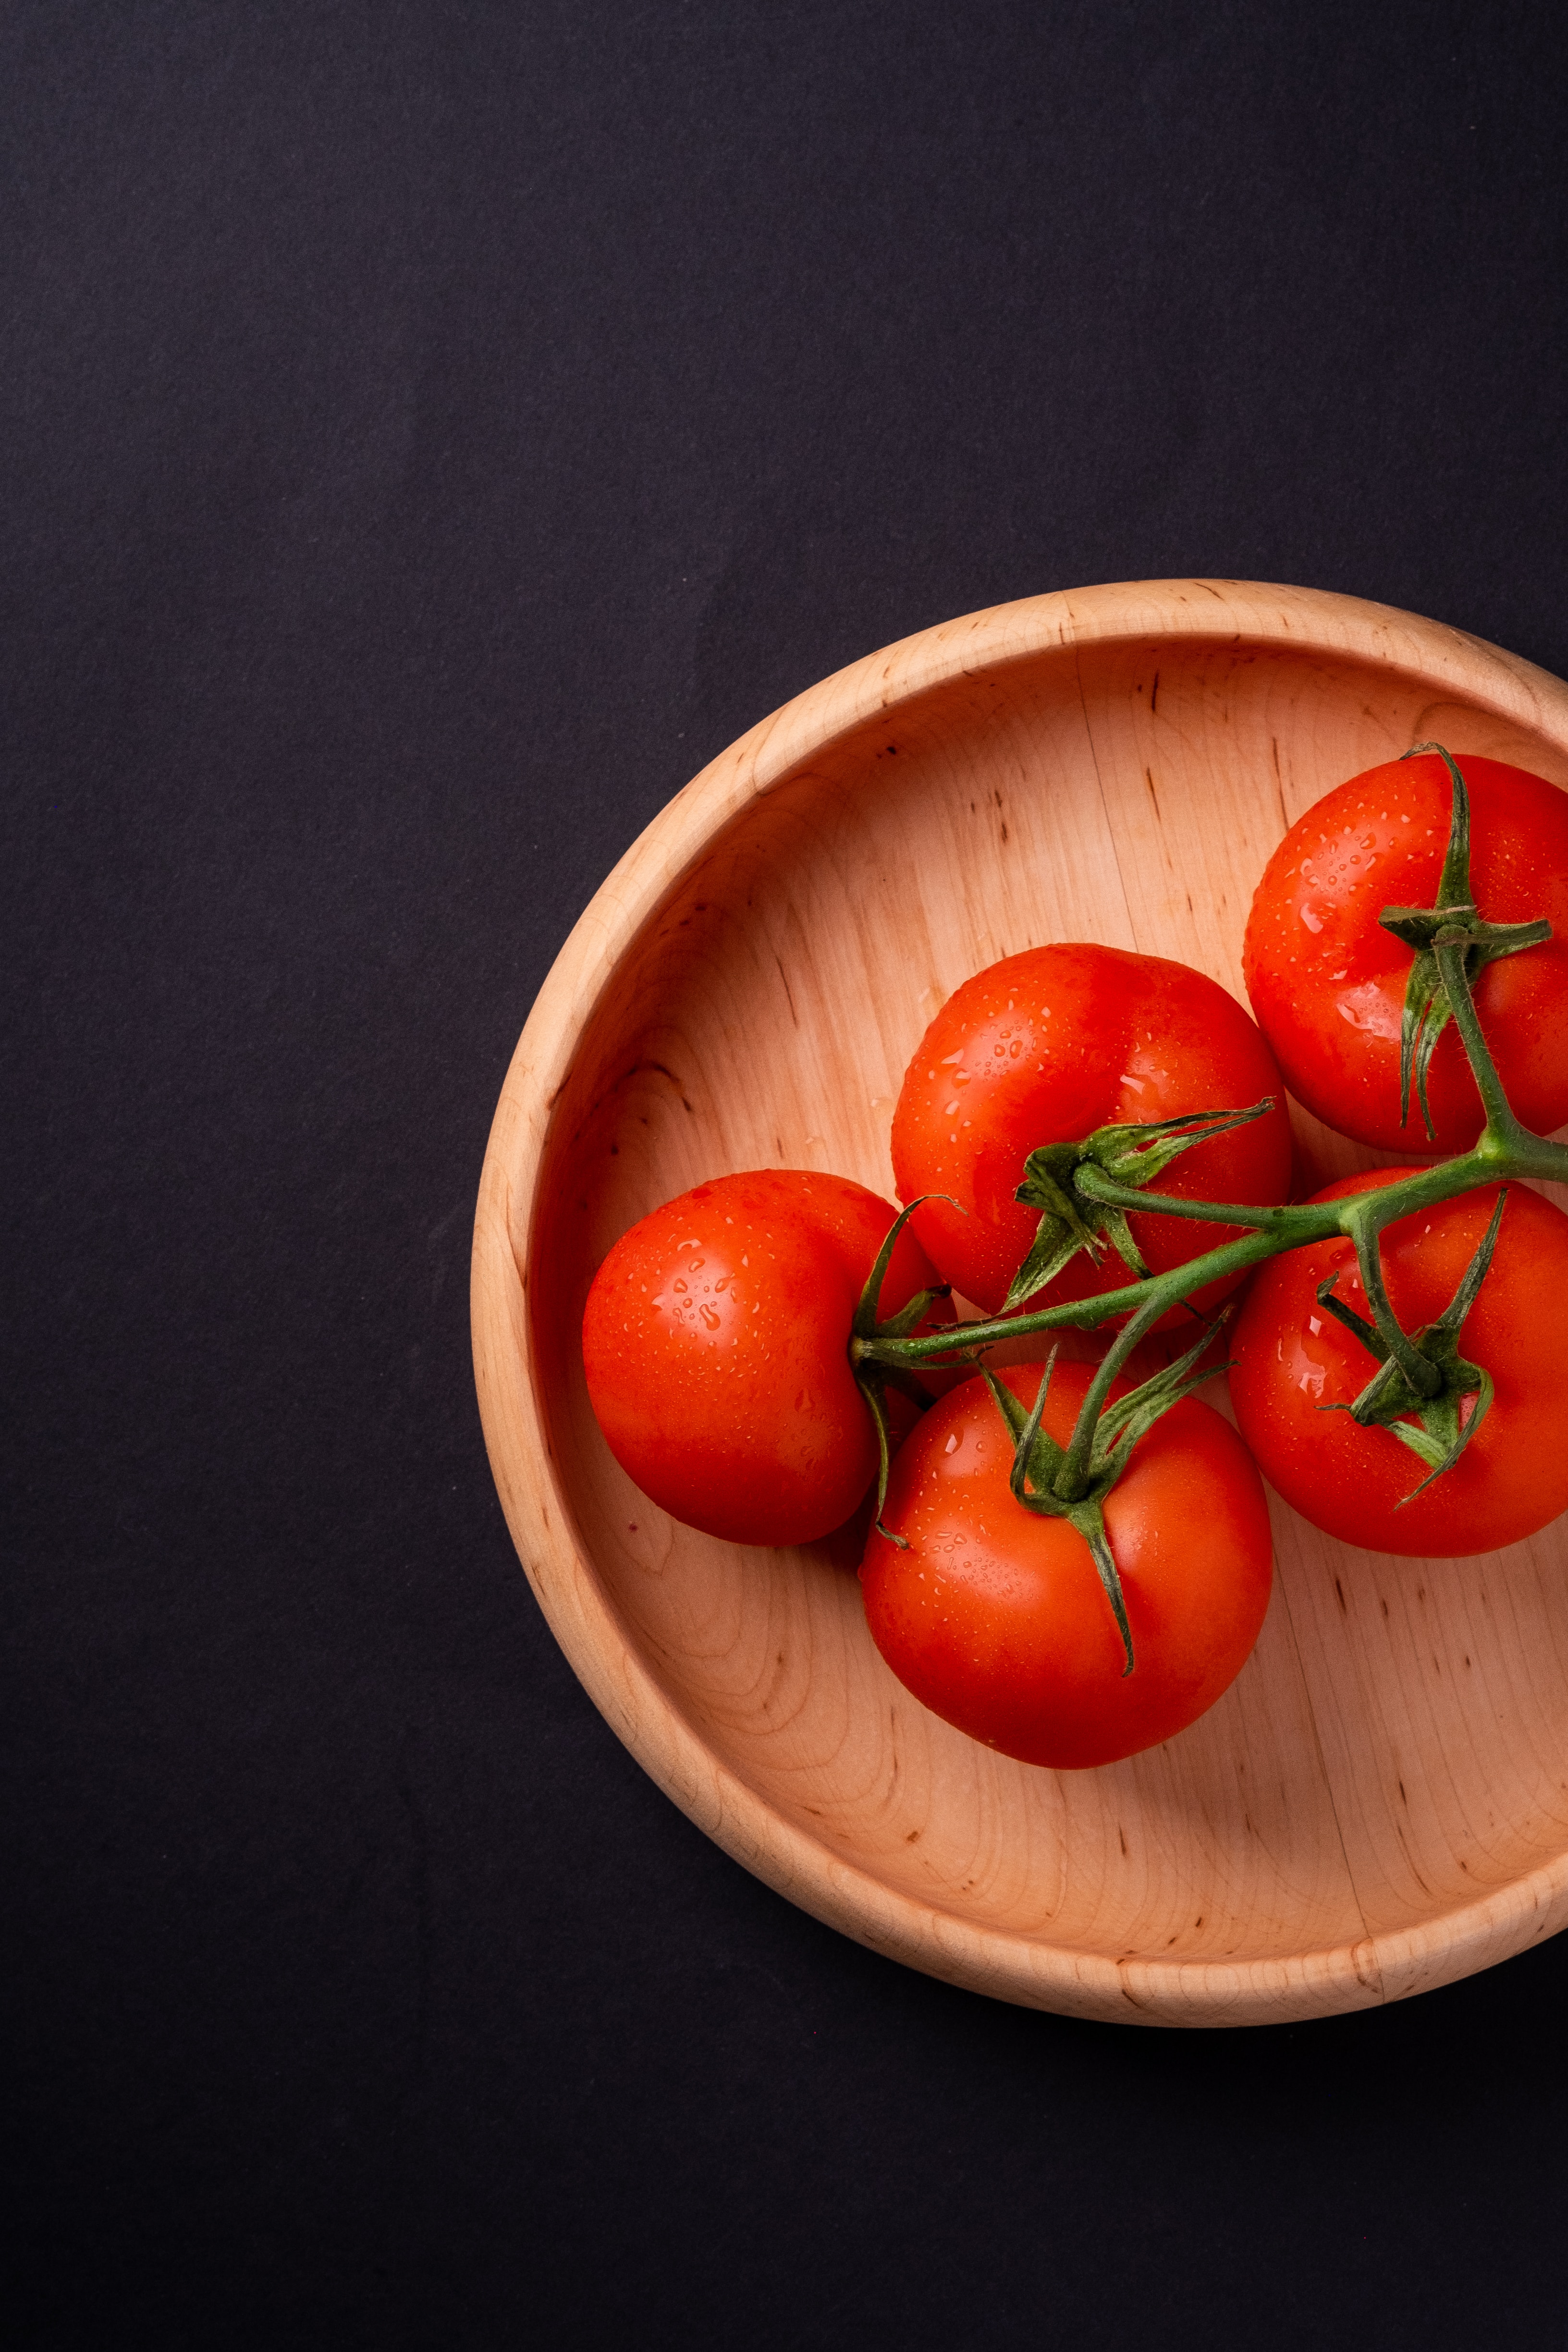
1501 1127
1072 1480
1423 1376
1505 1149
1275 1231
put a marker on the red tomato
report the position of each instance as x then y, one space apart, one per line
1328 984
1046 1047
716 1345
1293 1360
997 1620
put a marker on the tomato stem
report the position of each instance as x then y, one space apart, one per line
1451 964
1422 1375
1513 1152
1072 1479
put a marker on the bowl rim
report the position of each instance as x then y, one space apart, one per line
942 1943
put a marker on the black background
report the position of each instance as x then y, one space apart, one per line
430 433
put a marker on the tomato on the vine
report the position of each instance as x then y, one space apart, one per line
1047 1047
996 1618
1295 1363
1328 984
716 1339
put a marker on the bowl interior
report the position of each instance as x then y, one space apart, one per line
1397 1747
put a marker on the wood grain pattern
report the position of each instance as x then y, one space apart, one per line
1381 1801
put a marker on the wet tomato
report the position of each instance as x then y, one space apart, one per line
716 1343
1294 1360
1046 1047
1328 984
997 1620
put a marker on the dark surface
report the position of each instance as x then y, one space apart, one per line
430 433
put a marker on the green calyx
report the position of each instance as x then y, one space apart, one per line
1129 1155
1442 1428
1454 922
1043 1478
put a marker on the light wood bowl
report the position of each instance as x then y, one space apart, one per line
1379 1804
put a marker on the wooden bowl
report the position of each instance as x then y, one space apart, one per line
1379 1804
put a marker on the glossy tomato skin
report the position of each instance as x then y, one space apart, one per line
1293 1360
1045 1047
997 1620
1328 984
715 1342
